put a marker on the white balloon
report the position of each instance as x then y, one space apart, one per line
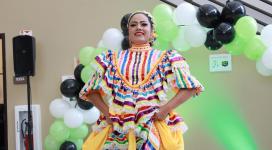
72 103
195 35
262 69
185 14
73 118
266 35
267 58
58 107
179 43
101 44
207 29
91 115
112 39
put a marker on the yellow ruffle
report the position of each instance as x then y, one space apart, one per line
170 140
96 140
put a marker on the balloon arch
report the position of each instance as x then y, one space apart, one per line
182 28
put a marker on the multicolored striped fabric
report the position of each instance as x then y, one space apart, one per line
135 65
135 84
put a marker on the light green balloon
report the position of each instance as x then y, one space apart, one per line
254 48
246 27
98 51
167 30
50 143
86 55
161 44
179 43
162 12
59 131
86 73
236 46
77 142
80 132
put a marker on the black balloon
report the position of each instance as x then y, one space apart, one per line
125 43
208 16
233 11
77 73
68 145
86 105
211 43
224 33
70 88
124 22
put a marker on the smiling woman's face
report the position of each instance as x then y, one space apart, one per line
139 29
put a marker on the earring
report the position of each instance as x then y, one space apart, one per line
153 37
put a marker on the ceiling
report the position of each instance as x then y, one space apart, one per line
261 10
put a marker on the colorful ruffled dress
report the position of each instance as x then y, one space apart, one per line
135 83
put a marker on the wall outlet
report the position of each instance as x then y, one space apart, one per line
26 32
220 63
19 80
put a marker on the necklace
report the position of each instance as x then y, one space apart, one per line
142 47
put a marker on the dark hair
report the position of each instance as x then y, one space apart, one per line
125 42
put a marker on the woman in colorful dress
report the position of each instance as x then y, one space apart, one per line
130 88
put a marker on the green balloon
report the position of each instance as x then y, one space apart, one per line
255 48
162 12
77 142
236 46
98 51
86 55
86 73
161 44
59 131
167 30
246 27
80 132
50 143
179 43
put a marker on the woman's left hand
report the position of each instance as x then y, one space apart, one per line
162 114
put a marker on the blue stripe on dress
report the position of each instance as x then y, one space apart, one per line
124 62
149 60
191 82
150 146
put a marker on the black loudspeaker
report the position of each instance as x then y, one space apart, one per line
24 48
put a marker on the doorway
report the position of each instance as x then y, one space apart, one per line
3 96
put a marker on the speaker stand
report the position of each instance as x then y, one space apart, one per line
29 117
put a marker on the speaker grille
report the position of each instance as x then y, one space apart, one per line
24 55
